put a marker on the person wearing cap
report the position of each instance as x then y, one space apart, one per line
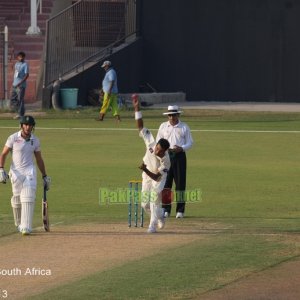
21 74
110 90
179 136
23 145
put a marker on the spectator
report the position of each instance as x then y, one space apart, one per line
109 91
21 74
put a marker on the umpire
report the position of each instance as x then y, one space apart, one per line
179 136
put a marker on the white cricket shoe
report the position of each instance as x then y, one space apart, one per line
179 215
151 230
25 231
166 214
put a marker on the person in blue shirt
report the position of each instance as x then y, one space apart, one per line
21 74
110 90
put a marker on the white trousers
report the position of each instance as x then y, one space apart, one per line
151 199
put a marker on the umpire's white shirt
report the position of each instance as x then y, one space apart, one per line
179 134
22 154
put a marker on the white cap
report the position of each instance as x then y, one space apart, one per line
172 110
106 63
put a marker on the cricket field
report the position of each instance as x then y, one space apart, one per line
240 238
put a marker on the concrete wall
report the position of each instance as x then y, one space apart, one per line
223 49
213 50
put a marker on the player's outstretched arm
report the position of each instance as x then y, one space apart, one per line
138 113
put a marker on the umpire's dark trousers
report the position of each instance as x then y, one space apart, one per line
177 173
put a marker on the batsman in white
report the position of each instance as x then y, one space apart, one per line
155 166
23 145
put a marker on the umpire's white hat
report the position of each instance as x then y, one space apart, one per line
172 110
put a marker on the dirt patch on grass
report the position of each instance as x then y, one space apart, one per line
72 252
277 283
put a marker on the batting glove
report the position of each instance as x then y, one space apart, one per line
47 182
3 176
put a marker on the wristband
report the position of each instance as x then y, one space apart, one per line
138 115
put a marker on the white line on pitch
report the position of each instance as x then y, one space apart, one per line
132 129
247 131
51 225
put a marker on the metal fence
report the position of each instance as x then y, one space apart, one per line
84 33
3 63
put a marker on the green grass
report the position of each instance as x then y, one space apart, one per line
241 175
184 272
249 182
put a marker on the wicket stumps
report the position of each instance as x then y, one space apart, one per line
133 202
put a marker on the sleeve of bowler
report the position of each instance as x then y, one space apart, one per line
147 136
188 138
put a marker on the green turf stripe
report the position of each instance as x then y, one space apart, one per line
180 272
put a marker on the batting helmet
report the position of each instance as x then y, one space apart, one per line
28 120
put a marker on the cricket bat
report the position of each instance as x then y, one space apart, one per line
45 215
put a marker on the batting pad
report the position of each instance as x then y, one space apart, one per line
27 200
16 207
15 201
27 195
27 215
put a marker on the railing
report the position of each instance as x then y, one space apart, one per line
39 5
4 63
33 29
86 32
